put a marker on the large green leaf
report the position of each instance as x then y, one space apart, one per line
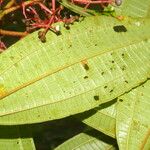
133 119
90 140
94 62
12 137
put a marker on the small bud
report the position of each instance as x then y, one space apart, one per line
76 18
43 39
40 33
15 22
118 2
61 7
57 28
67 26
41 36
28 10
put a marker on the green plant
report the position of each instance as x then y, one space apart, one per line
93 77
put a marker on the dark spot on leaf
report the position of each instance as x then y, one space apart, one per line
85 77
112 61
41 36
123 68
11 57
96 97
111 68
122 54
38 115
70 46
111 91
95 44
120 100
67 27
86 67
102 73
58 33
105 86
17 142
126 81
120 28
111 53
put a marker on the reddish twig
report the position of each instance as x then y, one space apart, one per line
2 46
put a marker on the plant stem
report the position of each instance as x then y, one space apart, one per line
9 10
12 33
9 4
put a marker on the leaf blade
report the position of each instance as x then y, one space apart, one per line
102 118
37 81
134 8
12 137
133 121
88 141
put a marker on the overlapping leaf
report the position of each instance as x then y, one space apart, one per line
134 8
90 140
102 118
133 119
73 72
11 137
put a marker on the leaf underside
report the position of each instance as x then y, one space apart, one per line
133 119
102 118
63 76
90 141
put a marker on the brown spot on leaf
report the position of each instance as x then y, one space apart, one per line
96 97
102 73
123 68
85 65
120 100
85 77
111 91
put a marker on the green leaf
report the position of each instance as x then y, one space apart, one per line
75 8
11 137
90 140
103 119
134 8
69 73
133 119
